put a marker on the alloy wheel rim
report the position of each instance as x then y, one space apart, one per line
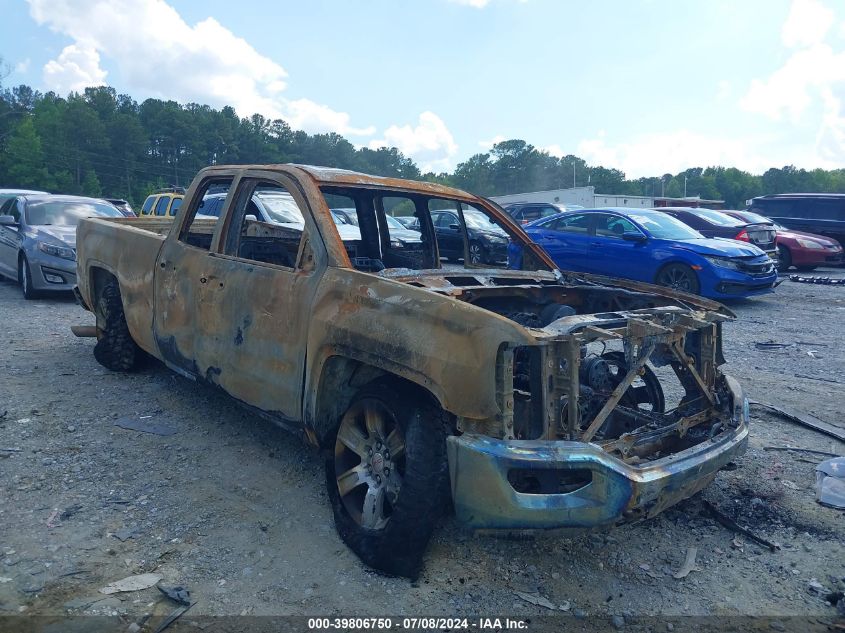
677 279
475 253
369 462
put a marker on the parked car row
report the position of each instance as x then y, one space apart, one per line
718 254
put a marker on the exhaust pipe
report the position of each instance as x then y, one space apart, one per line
85 331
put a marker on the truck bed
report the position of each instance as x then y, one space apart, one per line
128 248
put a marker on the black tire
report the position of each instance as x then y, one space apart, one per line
784 258
806 269
476 253
678 277
115 349
396 545
25 278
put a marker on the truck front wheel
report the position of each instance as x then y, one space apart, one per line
388 476
115 348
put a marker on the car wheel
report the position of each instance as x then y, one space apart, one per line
806 269
115 348
678 277
388 476
476 253
784 259
25 278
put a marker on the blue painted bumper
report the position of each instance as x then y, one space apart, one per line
615 492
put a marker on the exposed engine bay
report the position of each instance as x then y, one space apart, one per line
593 374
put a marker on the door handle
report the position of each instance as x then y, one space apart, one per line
595 244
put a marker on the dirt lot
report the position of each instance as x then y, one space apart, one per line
236 509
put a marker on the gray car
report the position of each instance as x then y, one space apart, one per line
38 239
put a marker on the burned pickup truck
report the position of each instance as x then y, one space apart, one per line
526 398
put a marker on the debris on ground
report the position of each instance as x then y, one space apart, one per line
798 449
770 345
131 583
178 594
51 520
806 420
824 281
689 564
174 615
537 599
729 523
830 483
125 534
143 425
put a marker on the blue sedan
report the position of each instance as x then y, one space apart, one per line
651 246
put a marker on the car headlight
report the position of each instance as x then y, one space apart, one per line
723 262
57 251
809 243
496 239
394 243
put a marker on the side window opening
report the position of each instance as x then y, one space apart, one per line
148 205
161 205
203 216
174 206
267 225
409 230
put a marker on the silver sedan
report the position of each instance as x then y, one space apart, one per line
38 239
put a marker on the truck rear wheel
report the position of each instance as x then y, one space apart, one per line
388 476
115 348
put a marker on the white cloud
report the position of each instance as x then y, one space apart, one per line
76 67
671 152
808 87
430 143
23 65
807 23
793 88
554 150
157 53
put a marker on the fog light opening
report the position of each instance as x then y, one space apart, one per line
551 481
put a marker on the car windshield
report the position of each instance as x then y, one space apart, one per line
281 209
393 223
477 220
350 216
665 227
719 219
66 212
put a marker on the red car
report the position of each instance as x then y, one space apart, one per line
805 251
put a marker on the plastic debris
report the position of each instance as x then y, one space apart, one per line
178 594
536 599
131 583
830 483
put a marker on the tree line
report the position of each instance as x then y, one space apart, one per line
101 143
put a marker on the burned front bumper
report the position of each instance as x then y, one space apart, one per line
604 489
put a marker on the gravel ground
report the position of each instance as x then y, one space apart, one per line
236 509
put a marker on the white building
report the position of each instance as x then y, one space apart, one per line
587 197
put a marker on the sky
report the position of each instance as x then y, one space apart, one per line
645 86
